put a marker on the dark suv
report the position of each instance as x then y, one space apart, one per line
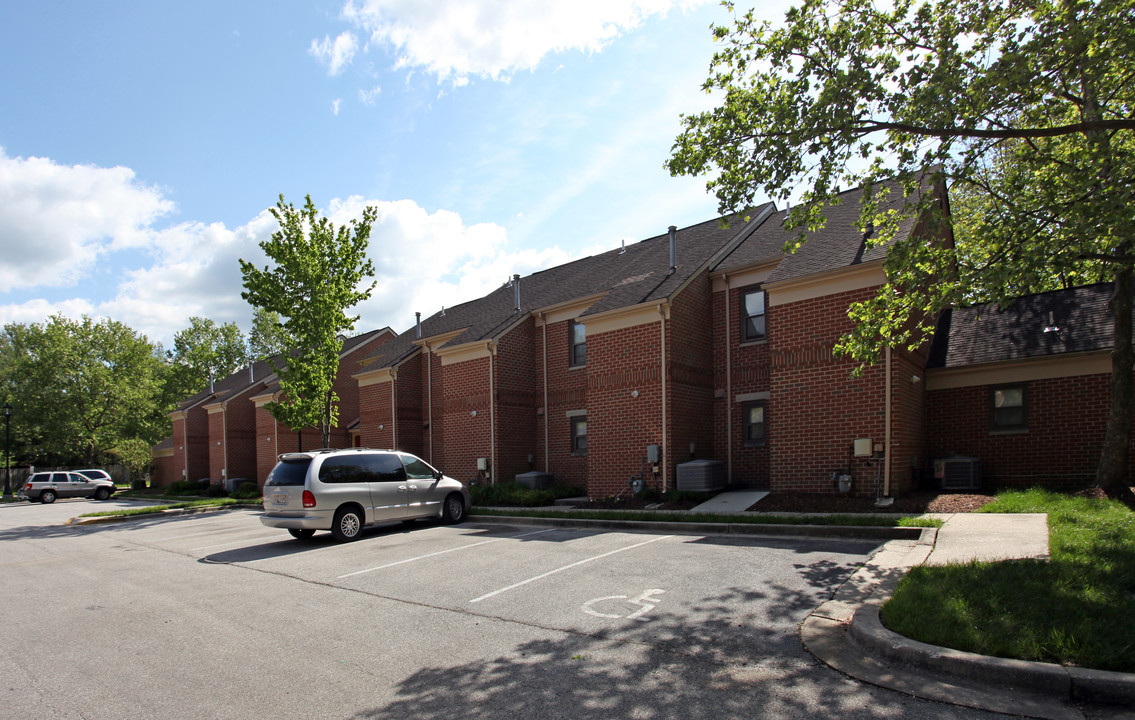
46 486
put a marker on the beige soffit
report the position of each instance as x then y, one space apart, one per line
1046 368
569 310
374 377
833 282
434 341
263 399
626 317
178 415
465 352
214 408
167 452
750 276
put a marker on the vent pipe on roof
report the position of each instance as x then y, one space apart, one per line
516 291
211 383
443 311
673 249
250 375
418 325
624 246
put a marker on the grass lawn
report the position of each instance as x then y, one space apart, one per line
154 509
1078 608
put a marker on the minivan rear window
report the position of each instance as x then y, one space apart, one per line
289 472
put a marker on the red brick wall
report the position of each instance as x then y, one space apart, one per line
1067 423
816 408
518 384
619 426
240 421
266 443
749 374
164 471
376 422
908 412
216 446
690 350
464 390
191 439
567 390
411 407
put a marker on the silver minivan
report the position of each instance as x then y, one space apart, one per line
345 490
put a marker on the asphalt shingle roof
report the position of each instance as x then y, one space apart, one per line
839 244
991 332
625 277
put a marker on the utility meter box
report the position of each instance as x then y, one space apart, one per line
653 454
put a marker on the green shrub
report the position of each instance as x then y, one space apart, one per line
516 495
246 491
215 490
184 487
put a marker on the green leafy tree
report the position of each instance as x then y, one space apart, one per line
319 275
268 336
1025 108
202 351
136 455
79 388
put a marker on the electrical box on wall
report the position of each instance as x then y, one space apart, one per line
863 447
653 454
482 464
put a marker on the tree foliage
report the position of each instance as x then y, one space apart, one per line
78 388
204 351
1026 108
319 274
268 336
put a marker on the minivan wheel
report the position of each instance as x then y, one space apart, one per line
102 494
300 534
347 525
47 497
454 510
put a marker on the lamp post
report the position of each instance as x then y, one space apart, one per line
7 450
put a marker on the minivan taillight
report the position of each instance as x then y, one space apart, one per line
308 499
28 486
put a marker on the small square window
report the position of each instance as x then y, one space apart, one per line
579 435
753 315
1008 407
753 424
578 341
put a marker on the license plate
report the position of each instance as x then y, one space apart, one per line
280 499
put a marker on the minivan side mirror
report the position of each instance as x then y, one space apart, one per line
438 475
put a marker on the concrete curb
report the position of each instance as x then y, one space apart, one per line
164 513
869 532
848 634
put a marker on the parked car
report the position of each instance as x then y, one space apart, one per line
46 486
95 474
345 490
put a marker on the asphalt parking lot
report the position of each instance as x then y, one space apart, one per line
217 616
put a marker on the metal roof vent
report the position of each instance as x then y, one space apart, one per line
673 249
516 292
418 325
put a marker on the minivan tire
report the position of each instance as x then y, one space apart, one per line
102 494
47 497
347 525
453 511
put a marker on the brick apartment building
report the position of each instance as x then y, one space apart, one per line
710 343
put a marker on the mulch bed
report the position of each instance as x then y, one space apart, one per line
936 502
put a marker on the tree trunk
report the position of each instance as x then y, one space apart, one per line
1112 472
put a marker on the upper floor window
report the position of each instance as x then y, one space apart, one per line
578 343
1008 407
753 309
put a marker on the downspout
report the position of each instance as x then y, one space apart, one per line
662 307
728 383
393 414
492 415
276 435
887 432
225 439
544 322
430 396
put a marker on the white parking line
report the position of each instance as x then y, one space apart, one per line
203 532
442 552
566 567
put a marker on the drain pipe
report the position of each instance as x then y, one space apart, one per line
492 413
728 383
430 395
662 308
544 323
393 412
887 431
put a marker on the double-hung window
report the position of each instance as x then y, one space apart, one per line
753 315
1009 408
578 340
579 435
754 423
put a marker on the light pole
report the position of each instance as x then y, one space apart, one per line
7 450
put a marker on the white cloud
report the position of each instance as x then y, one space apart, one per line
455 39
423 261
58 220
370 97
335 106
337 53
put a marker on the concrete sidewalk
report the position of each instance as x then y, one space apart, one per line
847 634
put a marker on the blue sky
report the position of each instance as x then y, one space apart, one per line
141 143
